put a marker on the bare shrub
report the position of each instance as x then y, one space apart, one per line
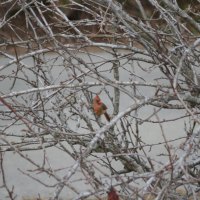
141 59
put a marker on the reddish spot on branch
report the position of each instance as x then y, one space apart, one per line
112 194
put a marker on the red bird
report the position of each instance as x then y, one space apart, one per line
99 107
112 194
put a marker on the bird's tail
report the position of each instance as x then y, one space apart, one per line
107 116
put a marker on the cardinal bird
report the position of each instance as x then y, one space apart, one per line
112 194
99 107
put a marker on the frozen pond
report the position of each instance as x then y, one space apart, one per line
16 167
